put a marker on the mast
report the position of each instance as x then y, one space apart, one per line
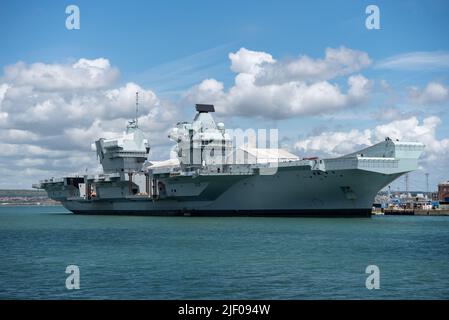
137 107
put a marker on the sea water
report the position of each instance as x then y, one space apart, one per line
122 257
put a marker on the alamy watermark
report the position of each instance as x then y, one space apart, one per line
73 280
373 280
237 147
72 22
372 22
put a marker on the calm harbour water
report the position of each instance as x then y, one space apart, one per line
220 258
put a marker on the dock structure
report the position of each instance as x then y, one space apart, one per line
413 212
413 203
443 191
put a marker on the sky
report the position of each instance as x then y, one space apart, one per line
311 69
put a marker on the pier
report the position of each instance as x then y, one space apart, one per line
413 203
412 212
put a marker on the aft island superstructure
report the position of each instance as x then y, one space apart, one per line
206 178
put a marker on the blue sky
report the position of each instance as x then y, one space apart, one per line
141 34
169 47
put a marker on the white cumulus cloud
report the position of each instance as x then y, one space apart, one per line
248 61
432 93
83 74
338 143
302 87
337 62
51 113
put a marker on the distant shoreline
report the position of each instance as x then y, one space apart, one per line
17 197
6 204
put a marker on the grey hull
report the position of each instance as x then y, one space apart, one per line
291 192
204 181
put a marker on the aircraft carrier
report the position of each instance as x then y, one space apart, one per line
206 178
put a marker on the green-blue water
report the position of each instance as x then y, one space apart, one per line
220 258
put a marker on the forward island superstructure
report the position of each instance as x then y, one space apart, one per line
207 178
